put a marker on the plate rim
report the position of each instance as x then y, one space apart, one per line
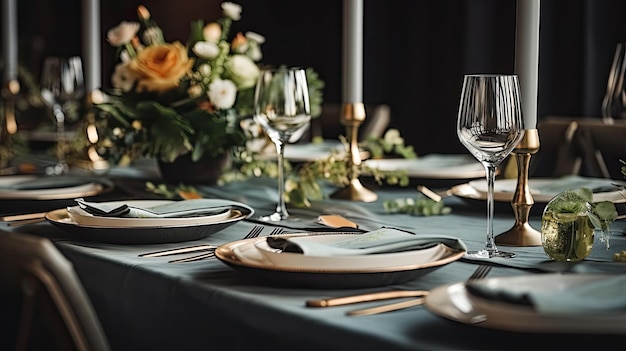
440 303
95 187
478 173
467 191
226 254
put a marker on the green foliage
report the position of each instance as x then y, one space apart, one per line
419 206
390 144
580 201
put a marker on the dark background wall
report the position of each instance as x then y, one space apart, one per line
415 51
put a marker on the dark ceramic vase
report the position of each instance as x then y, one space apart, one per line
206 170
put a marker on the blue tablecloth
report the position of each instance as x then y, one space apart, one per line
147 303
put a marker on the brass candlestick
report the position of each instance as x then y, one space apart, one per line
522 234
352 115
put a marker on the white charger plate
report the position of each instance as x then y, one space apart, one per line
244 256
82 217
542 189
454 302
433 166
53 193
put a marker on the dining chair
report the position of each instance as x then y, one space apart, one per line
580 145
44 305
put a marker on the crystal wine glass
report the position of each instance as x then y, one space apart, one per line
62 83
490 125
281 107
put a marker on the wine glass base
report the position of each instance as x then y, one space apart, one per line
274 217
489 254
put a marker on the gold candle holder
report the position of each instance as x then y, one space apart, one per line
352 115
522 234
8 122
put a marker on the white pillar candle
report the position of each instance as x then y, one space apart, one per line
92 44
527 58
9 40
352 51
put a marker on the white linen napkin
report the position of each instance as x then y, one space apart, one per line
174 209
383 240
601 295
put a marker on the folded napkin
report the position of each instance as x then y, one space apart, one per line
183 208
383 240
602 295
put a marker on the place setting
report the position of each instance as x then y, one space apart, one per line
147 221
337 259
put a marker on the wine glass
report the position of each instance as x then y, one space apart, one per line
281 108
490 125
62 83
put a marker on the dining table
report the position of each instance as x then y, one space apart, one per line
148 303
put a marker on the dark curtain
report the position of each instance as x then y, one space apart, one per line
415 51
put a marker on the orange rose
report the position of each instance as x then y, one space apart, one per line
159 68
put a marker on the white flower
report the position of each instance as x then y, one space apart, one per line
242 70
256 37
123 33
232 10
222 93
204 69
123 78
206 50
212 32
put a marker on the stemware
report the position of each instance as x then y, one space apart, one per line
490 125
281 108
62 83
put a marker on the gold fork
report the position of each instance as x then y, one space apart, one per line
479 273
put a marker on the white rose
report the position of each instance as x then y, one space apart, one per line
242 70
222 93
232 10
206 50
123 33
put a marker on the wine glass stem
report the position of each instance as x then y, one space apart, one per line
490 245
280 151
59 116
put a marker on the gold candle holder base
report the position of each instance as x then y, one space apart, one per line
352 115
522 234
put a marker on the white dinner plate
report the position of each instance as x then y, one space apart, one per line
542 189
75 188
252 257
82 217
454 302
433 166
147 233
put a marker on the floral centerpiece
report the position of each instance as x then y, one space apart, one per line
170 99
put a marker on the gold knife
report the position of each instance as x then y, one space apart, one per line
179 251
387 308
383 295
